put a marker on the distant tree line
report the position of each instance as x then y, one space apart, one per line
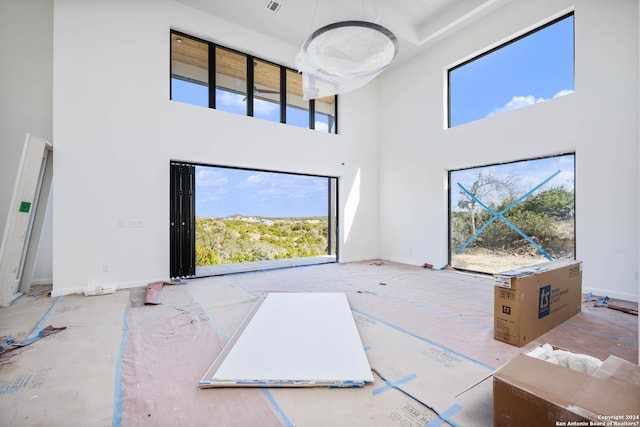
243 239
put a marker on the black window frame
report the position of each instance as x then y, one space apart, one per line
528 159
249 79
496 48
182 214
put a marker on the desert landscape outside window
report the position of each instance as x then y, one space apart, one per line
245 215
512 215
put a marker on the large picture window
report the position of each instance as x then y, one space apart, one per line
535 67
512 215
230 219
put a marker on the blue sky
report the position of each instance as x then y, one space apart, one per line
196 94
527 174
221 192
536 68
533 69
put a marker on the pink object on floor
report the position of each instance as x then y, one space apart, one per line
153 293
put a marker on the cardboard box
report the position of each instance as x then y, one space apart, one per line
530 301
532 392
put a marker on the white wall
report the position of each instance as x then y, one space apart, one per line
115 132
599 122
26 67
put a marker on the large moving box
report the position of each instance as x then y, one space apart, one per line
532 300
532 392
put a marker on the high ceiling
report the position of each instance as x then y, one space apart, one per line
416 23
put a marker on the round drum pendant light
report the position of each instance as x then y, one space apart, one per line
347 54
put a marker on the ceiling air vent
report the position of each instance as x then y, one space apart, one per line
273 6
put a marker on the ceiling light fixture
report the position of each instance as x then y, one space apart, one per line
344 56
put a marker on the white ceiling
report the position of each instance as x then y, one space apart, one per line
416 23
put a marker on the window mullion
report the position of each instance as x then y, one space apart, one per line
312 114
212 75
283 95
250 85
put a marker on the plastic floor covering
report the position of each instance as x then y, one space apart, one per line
428 336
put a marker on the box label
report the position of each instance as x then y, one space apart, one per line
575 270
506 310
506 294
544 303
503 282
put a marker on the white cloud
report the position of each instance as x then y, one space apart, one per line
235 100
322 126
264 108
284 186
563 92
523 101
253 180
230 99
211 178
515 103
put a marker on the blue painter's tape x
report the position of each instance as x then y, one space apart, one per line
394 384
500 215
445 416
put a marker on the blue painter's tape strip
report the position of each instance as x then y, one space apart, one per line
445 417
515 202
278 409
503 211
351 383
9 390
394 384
176 307
499 215
527 238
117 398
36 330
210 318
436 310
32 339
600 334
348 385
398 328
263 270
612 314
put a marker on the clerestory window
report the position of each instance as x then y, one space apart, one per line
533 68
213 76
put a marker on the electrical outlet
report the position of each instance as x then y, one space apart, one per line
136 223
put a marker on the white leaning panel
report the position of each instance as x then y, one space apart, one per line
293 339
21 212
